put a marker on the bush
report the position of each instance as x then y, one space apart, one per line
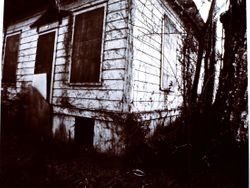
27 115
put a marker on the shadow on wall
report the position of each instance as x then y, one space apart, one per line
27 115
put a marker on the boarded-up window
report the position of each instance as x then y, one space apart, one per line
87 44
44 56
10 59
170 46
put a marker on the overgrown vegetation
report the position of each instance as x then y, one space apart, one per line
164 160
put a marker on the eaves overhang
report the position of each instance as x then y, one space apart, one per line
189 14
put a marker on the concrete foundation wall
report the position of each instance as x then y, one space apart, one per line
106 138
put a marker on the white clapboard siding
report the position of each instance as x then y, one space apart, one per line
116 34
90 94
116 6
114 64
115 54
27 58
145 86
147 56
25 71
109 93
148 106
115 44
28 64
118 15
117 25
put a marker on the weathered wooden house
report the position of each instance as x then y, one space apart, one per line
94 58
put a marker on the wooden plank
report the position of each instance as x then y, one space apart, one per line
114 64
115 44
29 39
60 60
26 78
60 45
148 106
90 94
27 52
29 33
61 37
60 53
115 54
113 74
27 46
141 76
146 86
90 104
119 5
116 34
116 25
61 69
120 14
148 96
25 71
28 64
147 68
62 30
61 77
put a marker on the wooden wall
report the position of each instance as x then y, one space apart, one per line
138 43
106 96
146 92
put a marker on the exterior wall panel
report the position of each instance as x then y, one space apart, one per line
146 93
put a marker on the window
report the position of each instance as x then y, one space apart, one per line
44 57
84 131
10 59
169 63
87 45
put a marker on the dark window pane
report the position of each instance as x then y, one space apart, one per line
87 47
84 131
10 59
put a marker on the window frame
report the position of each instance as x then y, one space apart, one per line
4 53
43 32
78 12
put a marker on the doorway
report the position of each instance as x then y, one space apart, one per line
44 58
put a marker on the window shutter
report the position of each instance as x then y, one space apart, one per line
10 59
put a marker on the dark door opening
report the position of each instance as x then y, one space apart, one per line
84 131
44 57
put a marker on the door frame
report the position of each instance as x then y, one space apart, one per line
53 59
